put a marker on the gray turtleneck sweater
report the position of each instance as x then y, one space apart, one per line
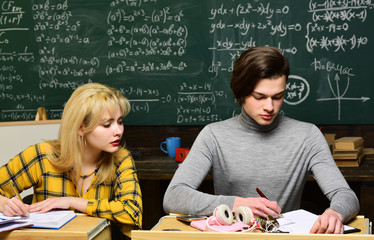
242 155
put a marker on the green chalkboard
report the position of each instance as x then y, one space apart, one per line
173 59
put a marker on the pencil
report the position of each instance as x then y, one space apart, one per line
263 195
16 194
14 190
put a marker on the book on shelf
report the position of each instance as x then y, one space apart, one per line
348 143
349 162
52 219
368 152
330 139
347 154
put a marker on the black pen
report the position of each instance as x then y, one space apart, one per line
263 195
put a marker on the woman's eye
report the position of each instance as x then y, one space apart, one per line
106 125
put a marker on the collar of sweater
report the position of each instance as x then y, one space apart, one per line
250 124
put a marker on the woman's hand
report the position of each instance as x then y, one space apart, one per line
12 207
60 203
49 204
329 222
261 207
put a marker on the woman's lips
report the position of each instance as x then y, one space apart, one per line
115 143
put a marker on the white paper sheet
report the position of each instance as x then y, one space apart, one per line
300 222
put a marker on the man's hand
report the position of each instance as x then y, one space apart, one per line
261 207
329 222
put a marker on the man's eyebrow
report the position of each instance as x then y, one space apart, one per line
262 94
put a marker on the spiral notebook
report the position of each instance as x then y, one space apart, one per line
52 219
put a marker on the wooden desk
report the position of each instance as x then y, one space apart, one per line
183 231
82 227
156 171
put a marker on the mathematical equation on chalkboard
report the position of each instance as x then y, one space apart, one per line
173 60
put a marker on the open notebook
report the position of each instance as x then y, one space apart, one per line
53 219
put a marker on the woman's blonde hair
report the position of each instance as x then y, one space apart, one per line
83 112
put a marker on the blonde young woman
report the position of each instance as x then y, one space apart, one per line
85 169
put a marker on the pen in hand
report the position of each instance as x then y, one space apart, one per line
15 192
263 195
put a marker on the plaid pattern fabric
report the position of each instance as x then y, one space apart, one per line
119 200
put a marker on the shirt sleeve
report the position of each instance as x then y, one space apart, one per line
125 207
182 195
23 169
329 178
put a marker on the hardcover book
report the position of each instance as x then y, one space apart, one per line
347 154
348 143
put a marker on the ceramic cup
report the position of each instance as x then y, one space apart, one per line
172 143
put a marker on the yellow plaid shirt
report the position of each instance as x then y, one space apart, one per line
119 201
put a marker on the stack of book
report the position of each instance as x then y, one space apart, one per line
348 151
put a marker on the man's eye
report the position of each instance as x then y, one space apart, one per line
278 97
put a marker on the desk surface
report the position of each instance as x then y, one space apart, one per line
184 231
163 168
82 227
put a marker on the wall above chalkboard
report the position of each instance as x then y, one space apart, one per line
173 59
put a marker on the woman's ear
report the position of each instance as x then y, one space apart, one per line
80 131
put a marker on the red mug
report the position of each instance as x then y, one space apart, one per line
181 154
